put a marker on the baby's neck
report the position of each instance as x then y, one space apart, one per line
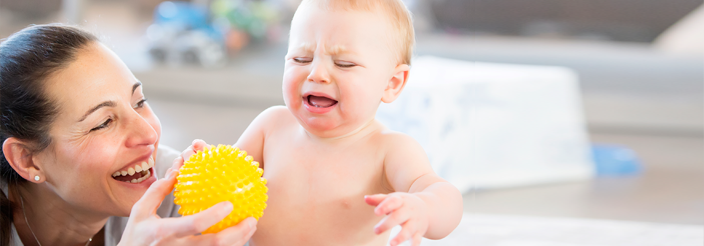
361 131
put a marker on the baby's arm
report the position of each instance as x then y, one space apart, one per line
252 139
424 204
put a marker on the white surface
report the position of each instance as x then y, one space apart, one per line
503 230
494 125
685 36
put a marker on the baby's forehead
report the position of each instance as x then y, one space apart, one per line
393 13
327 48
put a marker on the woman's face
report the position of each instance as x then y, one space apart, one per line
103 127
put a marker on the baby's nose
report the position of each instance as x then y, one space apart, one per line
318 73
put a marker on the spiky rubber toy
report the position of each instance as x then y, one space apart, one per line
218 174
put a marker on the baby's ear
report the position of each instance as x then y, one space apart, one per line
396 83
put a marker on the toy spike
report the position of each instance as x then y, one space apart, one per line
218 174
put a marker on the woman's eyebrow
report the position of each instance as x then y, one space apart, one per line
103 104
134 87
107 103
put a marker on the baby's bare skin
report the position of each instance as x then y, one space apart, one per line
317 186
336 176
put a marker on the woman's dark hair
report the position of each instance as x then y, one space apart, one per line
27 58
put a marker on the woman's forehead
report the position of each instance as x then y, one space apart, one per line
95 75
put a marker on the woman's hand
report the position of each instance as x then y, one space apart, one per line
145 227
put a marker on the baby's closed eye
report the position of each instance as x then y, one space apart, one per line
344 64
302 60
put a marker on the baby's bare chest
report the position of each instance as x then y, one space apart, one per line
306 176
308 170
316 192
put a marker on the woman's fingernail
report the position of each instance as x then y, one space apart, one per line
252 224
227 208
171 174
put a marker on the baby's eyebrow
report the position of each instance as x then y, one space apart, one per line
337 49
308 47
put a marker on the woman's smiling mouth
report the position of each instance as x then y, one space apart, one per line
136 173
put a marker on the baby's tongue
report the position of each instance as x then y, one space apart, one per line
322 102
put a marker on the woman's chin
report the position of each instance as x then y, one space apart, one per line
132 192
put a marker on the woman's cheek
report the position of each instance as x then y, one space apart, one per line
154 122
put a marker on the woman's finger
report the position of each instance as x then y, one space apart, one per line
238 234
397 217
150 201
388 205
178 162
197 223
220 238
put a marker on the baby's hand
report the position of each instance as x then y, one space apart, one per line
404 209
196 145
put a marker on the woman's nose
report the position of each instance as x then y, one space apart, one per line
318 72
140 131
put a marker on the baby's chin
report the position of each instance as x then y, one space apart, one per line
329 129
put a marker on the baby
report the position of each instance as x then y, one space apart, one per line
336 176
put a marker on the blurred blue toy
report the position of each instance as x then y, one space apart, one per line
615 160
181 33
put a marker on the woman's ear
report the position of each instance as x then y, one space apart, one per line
19 155
396 83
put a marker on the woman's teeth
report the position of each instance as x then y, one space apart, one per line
142 169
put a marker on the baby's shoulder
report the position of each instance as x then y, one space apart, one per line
394 141
275 115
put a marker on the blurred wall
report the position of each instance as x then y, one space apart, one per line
621 20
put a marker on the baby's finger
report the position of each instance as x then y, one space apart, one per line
198 144
417 238
406 233
150 201
396 218
389 204
187 153
374 199
193 224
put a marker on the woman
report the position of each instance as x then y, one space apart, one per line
81 148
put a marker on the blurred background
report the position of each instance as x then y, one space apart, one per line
210 66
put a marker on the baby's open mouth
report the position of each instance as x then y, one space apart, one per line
136 173
320 102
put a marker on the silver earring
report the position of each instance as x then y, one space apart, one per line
36 177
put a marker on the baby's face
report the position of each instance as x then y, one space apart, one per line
337 67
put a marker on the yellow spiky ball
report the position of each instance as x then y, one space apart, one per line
219 174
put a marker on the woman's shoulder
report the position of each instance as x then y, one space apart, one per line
165 156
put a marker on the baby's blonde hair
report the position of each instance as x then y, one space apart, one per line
395 10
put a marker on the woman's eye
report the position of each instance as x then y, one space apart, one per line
105 124
302 60
140 104
344 64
